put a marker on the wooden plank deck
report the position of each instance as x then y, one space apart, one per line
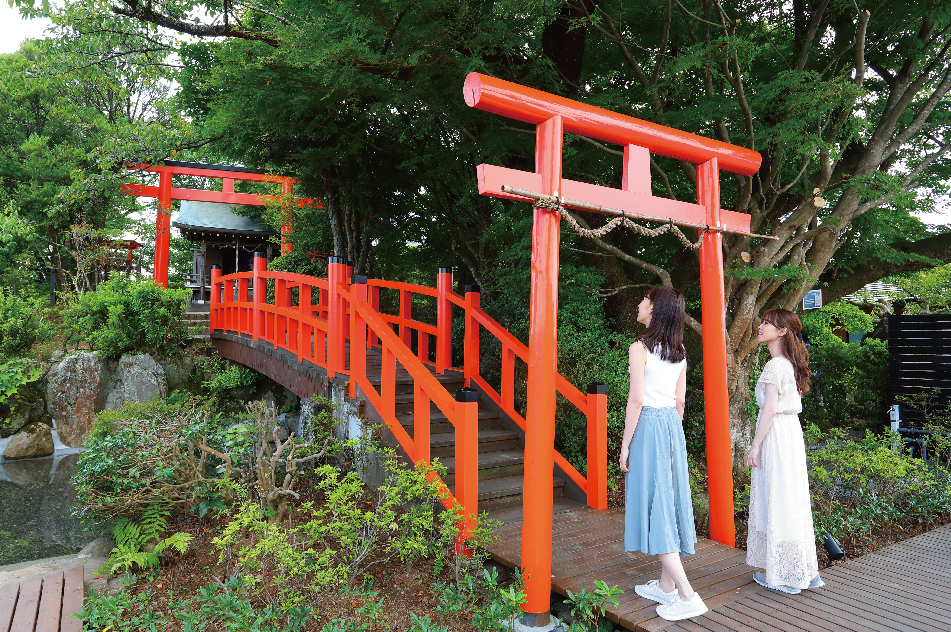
43 604
902 587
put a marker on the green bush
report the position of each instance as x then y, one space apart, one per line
861 487
146 455
128 316
22 323
849 385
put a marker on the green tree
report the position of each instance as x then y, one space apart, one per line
847 102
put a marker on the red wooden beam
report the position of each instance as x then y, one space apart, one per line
534 106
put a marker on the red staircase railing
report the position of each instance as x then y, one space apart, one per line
318 320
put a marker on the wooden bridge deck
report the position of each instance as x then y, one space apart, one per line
43 604
903 587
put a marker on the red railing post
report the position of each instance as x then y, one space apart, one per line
260 295
228 298
358 333
443 320
597 446
421 421
717 401
305 331
346 319
471 342
375 306
406 314
214 315
336 316
467 459
281 299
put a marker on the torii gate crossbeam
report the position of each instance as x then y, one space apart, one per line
553 116
165 193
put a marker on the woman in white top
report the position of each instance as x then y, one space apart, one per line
781 537
658 508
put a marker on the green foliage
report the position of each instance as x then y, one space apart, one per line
127 316
849 381
146 455
234 377
849 385
216 608
335 541
819 325
937 421
931 288
132 538
861 486
588 607
15 374
22 323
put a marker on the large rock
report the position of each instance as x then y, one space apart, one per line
34 440
138 378
73 392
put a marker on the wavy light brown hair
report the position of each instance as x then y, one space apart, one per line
665 334
793 346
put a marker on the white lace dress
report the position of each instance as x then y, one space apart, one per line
781 537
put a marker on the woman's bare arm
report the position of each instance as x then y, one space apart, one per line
763 423
637 357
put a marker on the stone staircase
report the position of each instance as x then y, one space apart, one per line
198 319
501 447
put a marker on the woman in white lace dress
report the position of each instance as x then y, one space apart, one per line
781 537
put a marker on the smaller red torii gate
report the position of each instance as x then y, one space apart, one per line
553 117
165 193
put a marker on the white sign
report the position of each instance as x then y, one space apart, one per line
812 300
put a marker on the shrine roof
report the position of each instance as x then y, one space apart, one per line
217 217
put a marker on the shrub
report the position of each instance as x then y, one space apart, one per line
128 316
849 385
147 455
22 323
860 487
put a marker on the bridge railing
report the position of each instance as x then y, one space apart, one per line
318 320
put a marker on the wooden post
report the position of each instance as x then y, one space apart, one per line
467 460
542 368
716 400
443 320
470 343
358 331
215 299
260 295
597 446
337 311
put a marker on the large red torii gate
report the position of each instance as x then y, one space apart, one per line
165 193
554 116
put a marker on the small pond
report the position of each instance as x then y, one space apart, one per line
35 504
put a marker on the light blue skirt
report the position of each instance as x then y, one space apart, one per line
658 511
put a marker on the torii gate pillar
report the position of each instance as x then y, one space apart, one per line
553 116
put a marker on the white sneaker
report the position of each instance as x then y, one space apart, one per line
652 590
760 578
679 609
815 582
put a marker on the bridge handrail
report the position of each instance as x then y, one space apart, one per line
332 322
462 415
506 399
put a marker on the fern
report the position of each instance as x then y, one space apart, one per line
178 541
154 522
131 537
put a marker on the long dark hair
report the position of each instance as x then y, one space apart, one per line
665 334
793 346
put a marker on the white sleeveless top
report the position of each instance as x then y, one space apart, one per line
660 381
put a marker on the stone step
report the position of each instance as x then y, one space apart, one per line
491 464
494 440
437 417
